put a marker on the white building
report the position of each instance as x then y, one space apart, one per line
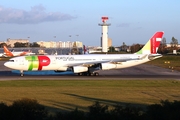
60 44
10 42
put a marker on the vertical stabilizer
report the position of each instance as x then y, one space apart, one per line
152 45
85 51
7 52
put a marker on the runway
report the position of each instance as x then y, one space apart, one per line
140 72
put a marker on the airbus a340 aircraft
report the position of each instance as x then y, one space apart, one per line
87 64
8 53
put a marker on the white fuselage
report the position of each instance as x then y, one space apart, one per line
62 62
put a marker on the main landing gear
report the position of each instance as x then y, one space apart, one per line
21 73
88 74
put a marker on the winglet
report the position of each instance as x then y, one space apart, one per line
152 45
7 52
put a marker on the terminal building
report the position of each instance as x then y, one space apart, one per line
10 42
60 44
45 44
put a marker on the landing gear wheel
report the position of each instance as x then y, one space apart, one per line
22 74
86 74
96 74
80 74
91 74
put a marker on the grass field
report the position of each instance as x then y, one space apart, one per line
167 61
69 94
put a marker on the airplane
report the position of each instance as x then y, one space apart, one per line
8 53
87 64
1 54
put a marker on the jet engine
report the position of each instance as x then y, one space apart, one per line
62 69
78 69
107 66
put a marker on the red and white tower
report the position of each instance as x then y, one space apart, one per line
104 37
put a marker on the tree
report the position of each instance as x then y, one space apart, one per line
162 48
3 44
124 47
4 111
112 49
98 112
174 43
19 44
135 48
166 110
27 109
34 44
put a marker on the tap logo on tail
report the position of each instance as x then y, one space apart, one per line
152 45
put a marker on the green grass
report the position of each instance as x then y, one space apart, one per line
167 61
69 94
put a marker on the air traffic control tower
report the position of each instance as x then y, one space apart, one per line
104 37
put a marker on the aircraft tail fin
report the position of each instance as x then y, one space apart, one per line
151 47
85 50
7 52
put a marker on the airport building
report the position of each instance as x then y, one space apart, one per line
2 42
60 44
169 45
45 44
49 44
10 42
109 42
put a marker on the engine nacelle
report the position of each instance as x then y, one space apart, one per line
61 69
107 66
78 69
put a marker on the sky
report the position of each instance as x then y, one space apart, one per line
132 21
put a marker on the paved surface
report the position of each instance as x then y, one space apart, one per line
143 71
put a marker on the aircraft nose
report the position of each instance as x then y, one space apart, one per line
6 64
9 65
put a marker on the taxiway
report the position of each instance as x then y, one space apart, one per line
140 72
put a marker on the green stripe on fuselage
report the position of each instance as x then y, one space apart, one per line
33 62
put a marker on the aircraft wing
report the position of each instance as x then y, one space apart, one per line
124 60
101 61
86 63
3 55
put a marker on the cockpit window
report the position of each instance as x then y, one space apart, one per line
11 60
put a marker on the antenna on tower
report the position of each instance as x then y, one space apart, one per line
104 19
